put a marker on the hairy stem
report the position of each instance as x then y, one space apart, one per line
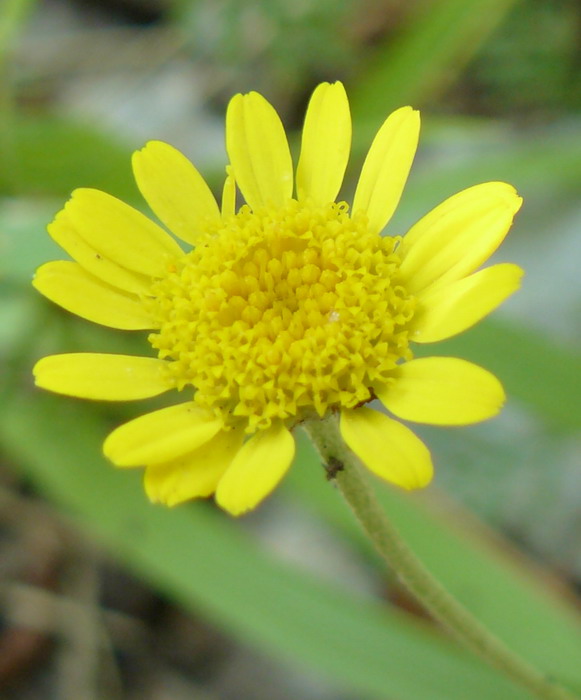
342 466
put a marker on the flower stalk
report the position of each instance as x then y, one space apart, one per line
342 467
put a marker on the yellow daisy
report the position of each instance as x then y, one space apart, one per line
284 310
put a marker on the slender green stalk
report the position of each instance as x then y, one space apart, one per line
343 467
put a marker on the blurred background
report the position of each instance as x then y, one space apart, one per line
103 596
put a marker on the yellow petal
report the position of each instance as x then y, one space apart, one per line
325 146
229 194
442 391
444 311
102 377
387 447
63 232
387 166
196 475
258 150
161 436
176 192
68 285
457 236
121 233
257 468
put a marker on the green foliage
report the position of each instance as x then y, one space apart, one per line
271 45
203 560
51 156
533 63
12 16
426 55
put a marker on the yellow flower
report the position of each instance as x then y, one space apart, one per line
285 310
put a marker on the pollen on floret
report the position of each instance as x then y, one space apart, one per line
283 313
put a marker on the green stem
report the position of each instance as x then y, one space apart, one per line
343 467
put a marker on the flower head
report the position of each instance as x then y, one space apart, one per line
282 311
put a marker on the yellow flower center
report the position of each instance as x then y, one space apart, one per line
284 312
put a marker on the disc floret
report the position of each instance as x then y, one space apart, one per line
284 313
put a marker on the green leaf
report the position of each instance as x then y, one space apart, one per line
204 561
429 53
51 156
